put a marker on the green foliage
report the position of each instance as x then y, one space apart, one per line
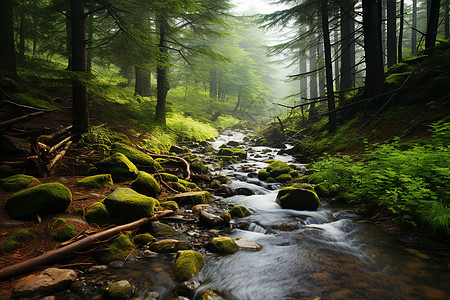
412 183
188 129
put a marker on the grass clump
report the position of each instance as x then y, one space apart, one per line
188 129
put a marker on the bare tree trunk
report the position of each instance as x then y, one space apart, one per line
347 46
391 32
303 83
414 26
336 62
322 75
69 39
79 90
432 25
328 67
447 20
161 74
90 28
400 33
7 49
22 31
213 84
383 30
312 80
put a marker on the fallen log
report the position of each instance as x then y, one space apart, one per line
24 118
54 255
49 137
188 167
58 156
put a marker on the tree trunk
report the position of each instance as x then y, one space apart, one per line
447 20
213 84
303 83
322 75
139 83
375 82
432 25
383 30
400 33
69 39
161 74
79 90
90 42
22 31
347 46
7 49
414 26
336 62
391 42
328 67
238 102
313 80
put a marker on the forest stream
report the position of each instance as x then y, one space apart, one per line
325 254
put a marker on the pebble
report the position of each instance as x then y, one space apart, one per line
95 269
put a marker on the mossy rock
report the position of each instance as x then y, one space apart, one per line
295 197
178 187
119 249
143 239
64 233
226 216
223 179
209 295
98 214
120 290
43 200
59 221
146 184
283 178
193 198
233 152
189 185
168 177
269 161
263 175
326 190
261 142
18 236
303 185
119 166
172 205
187 264
6 171
169 246
10 145
223 245
270 180
199 167
293 173
143 161
161 229
277 168
96 182
239 212
125 205
18 182
31 100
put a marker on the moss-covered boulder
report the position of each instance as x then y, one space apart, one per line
64 233
178 187
140 159
161 229
125 205
119 166
168 177
223 245
169 246
326 190
193 198
146 184
236 152
283 178
98 214
119 290
143 239
209 295
239 212
18 182
277 168
6 171
187 264
171 205
263 175
96 182
119 249
190 186
223 179
42 200
299 198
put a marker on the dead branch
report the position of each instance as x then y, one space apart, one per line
54 255
24 118
58 156
23 106
64 141
49 137
188 167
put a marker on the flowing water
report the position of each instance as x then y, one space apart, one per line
328 253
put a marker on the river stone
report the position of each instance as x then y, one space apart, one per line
224 191
246 244
169 246
211 220
49 280
187 288
160 229
146 184
223 245
119 290
239 212
233 152
42 200
294 197
187 264
119 166
200 207
244 191
277 168
209 295
193 198
18 182
96 181
125 205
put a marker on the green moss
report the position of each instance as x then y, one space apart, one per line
269 161
119 249
58 222
22 235
146 184
209 295
168 177
120 290
270 180
283 178
143 239
223 245
18 182
202 197
8 245
239 212
189 185
178 187
119 166
226 216
6 171
172 205
394 81
187 264
223 179
64 233
297 197
96 181
199 167
261 142
277 168
100 135
263 175
143 161
233 152
125 205
12 85
293 173
169 246
30 100
98 214
42 200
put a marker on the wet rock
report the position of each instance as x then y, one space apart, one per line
178 150
246 244
244 191
151 296
200 207
42 200
224 191
233 143
96 269
141 160
201 197
96 181
97 213
209 295
171 205
286 227
119 166
49 280
187 288
223 245
169 246
211 220
239 212
296 197
18 182
143 239
145 184
118 250
233 152
160 229
120 290
187 264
